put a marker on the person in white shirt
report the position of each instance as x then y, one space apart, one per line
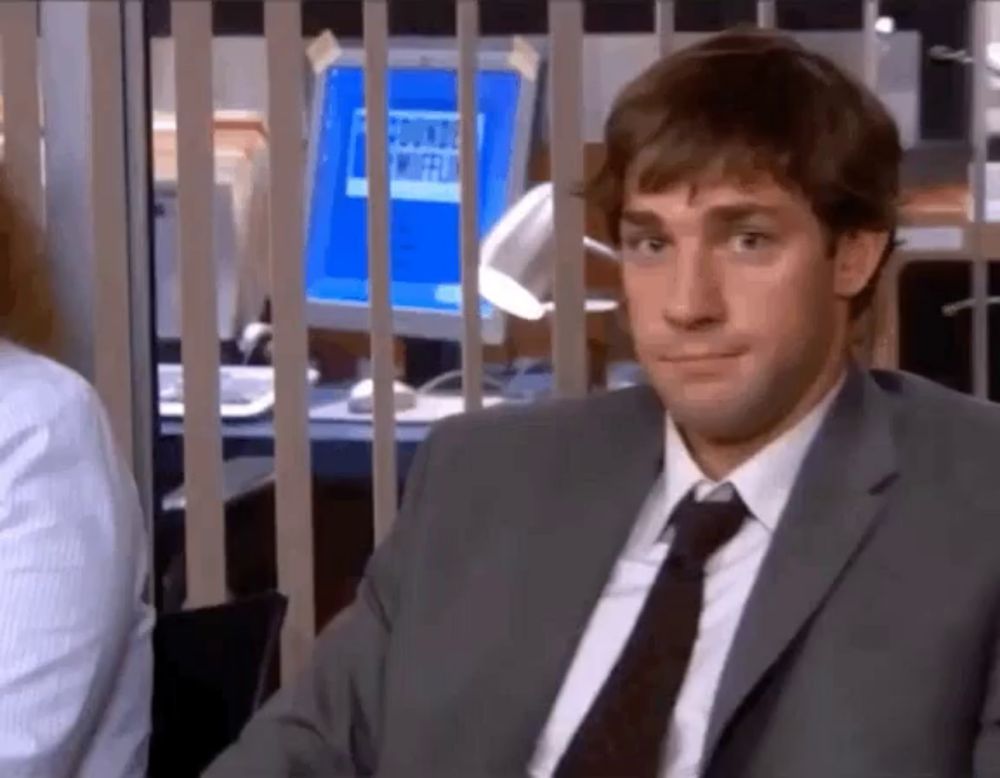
769 561
75 626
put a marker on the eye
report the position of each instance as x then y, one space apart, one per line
645 246
749 241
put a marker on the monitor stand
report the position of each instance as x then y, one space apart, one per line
427 359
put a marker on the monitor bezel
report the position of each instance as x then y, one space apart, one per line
348 316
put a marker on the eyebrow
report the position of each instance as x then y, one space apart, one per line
733 212
636 218
740 211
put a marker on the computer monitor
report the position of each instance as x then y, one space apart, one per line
167 263
423 157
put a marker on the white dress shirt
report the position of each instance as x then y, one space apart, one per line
75 652
764 482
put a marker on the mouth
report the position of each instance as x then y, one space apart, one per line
699 359
711 366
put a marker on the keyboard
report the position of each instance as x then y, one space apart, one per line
245 391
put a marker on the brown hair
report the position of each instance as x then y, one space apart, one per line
27 310
747 102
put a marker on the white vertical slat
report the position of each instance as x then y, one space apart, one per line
139 249
205 529
766 14
22 156
870 43
376 40
566 154
980 96
138 134
467 24
293 486
109 221
885 313
64 57
665 26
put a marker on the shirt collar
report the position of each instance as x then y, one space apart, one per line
764 481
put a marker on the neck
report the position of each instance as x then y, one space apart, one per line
719 458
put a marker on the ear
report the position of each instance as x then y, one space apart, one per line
856 261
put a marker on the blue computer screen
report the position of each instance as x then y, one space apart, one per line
422 148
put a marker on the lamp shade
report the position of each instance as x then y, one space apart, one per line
517 255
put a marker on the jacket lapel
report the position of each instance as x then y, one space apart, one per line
567 562
832 509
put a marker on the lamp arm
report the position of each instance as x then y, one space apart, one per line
600 248
952 308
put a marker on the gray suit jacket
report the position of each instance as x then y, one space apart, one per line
868 648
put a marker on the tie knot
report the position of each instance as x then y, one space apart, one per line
702 527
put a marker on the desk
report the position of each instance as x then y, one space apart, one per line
340 450
342 466
341 463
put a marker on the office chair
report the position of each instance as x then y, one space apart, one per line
211 668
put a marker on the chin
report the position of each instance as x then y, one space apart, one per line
719 426
722 412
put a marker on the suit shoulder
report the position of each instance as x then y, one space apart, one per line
921 399
546 417
943 436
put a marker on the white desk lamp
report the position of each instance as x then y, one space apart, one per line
517 257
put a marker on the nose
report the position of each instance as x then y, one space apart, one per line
693 298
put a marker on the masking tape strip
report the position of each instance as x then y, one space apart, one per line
323 51
525 58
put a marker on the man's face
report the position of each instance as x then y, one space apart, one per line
736 307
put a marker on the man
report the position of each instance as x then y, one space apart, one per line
771 563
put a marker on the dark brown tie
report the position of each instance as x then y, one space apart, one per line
624 731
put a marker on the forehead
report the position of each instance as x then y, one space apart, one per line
711 196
